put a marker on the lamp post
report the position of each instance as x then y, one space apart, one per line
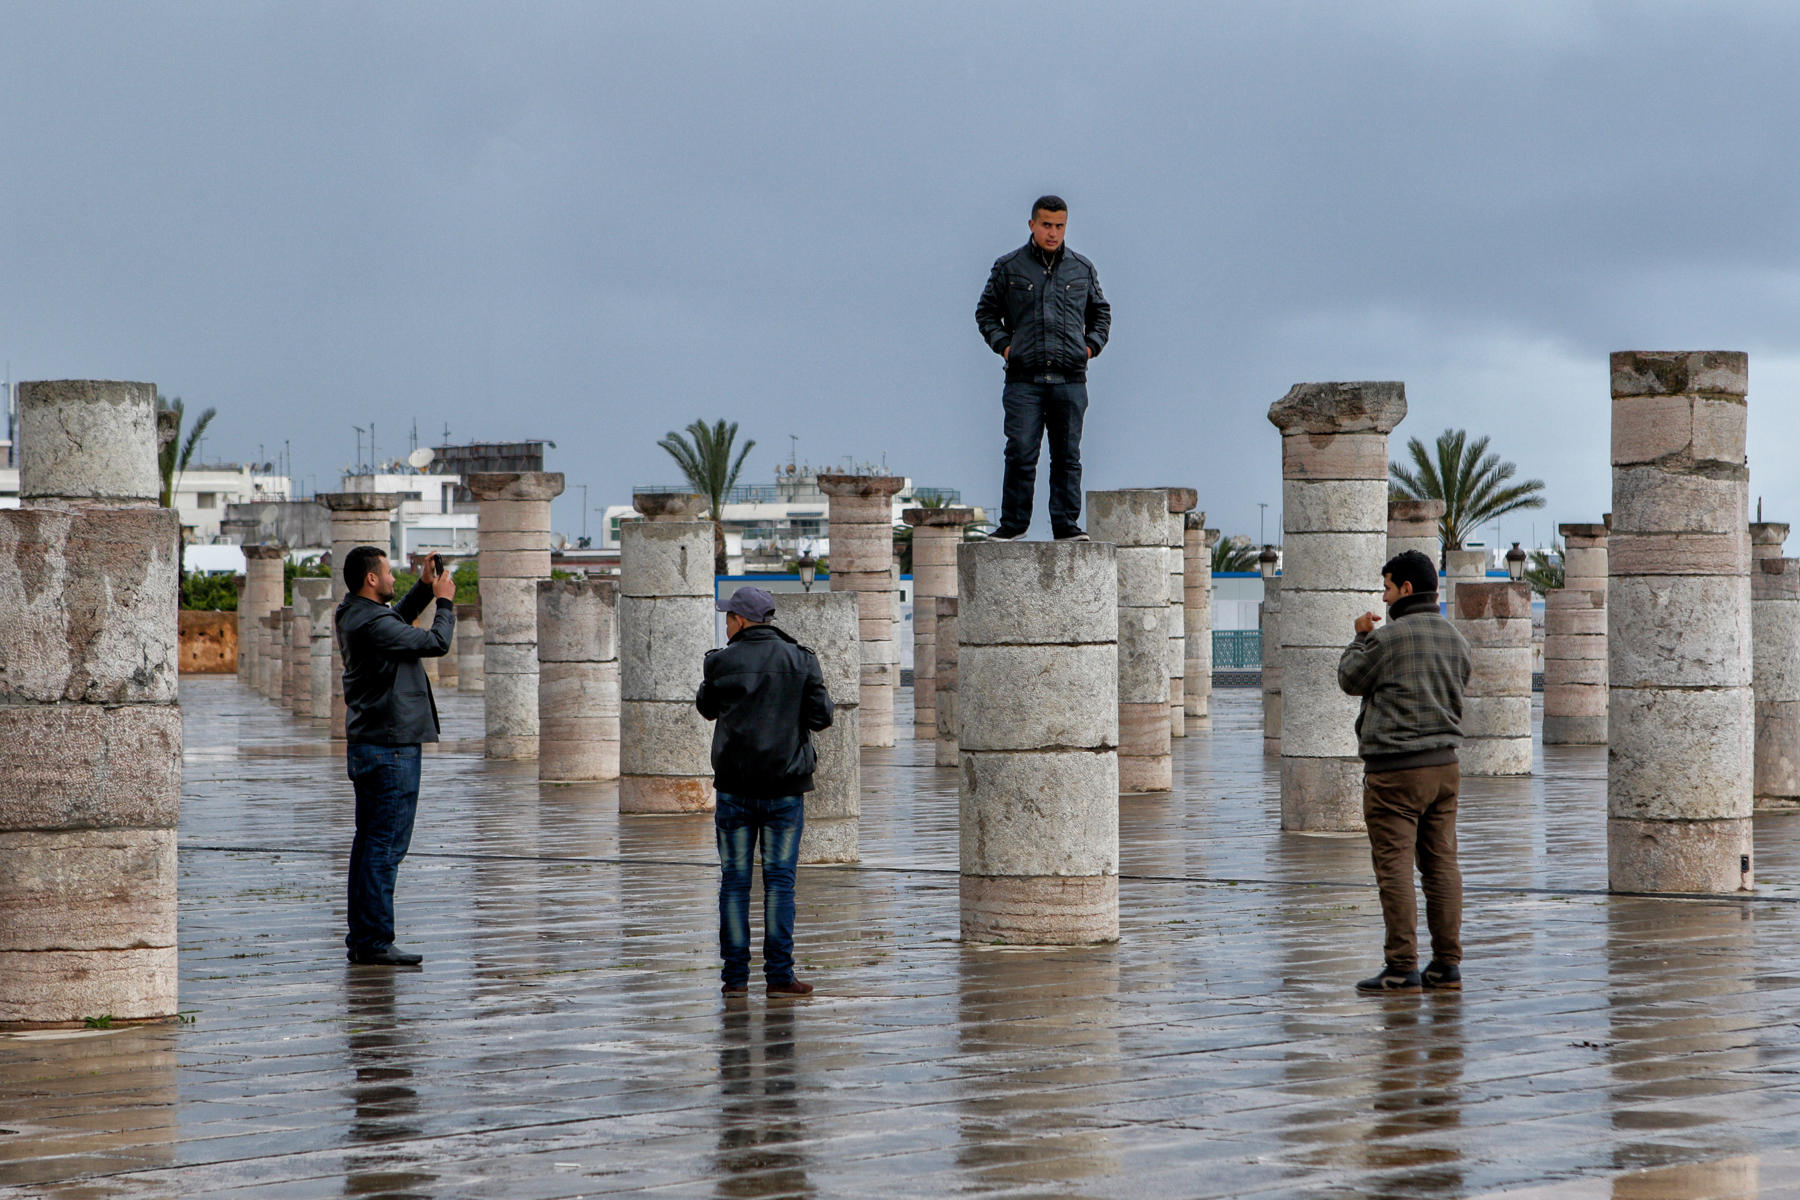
1265 562
808 566
1515 563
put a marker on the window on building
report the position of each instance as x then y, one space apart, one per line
206 499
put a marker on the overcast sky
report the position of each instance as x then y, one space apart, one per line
595 222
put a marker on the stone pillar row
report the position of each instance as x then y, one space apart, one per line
1495 619
1334 495
827 624
1270 621
944 682
1196 613
513 544
471 649
1775 673
1413 525
1680 719
1038 733
357 519
261 596
1575 642
90 730
937 532
861 520
312 607
666 623
323 635
1136 522
1181 502
578 679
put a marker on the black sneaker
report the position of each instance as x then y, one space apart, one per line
1441 977
1391 981
998 536
385 956
1074 535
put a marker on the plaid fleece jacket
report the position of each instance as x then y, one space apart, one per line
1410 673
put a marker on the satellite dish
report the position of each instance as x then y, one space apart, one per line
421 458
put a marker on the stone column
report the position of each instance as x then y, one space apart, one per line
1334 497
578 679
261 596
1196 612
1680 718
1575 642
324 625
1181 502
513 536
90 730
1775 637
449 667
1766 538
861 520
312 603
1136 520
274 655
944 682
937 532
416 564
1271 665
1038 733
296 662
357 519
827 624
471 647
1413 525
666 618
1495 618
1462 566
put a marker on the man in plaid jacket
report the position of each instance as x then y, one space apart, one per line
1411 674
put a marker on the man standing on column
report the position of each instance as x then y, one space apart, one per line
1044 314
390 714
1411 676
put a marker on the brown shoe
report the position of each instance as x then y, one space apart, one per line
735 989
792 987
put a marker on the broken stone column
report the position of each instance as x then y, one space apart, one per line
1462 566
1680 717
357 519
471 647
1181 501
312 599
1038 725
323 634
827 624
1766 538
261 596
1271 665
578 679
937 532
1196 581
274 656
296 667
666 611
416 564
944 682
90 729
1334 497
1575 642
1495 619
1136 520
861 521
1413 525
1775 638
513 540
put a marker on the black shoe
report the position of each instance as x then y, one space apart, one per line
1001 536
385 956
1441 977
1073 535
735 989
1391 981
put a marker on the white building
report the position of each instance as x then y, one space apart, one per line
201 494
429 518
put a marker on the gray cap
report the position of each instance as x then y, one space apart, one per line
750 603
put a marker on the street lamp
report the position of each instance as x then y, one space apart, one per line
1265 562
1515 563
809 570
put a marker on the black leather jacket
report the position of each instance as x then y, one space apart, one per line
1048 311
387 698
767 694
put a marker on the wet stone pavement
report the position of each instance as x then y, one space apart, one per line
566 1036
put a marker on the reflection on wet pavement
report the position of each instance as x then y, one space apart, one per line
566 1037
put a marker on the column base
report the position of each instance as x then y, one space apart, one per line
1271 747
948 754
1198 706
57 987
1321 795
1698 857
1495 756
579 762
1040 910
520 747
1155 773
665 793
1574 731
829 840
1178 718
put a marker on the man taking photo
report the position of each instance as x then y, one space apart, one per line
1043 313
389 715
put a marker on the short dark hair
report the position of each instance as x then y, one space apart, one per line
359 564
1410 566
1048 204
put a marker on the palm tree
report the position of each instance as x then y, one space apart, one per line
172 459
705 457
1234 553
1544 570
1470 481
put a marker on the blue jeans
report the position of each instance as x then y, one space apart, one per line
387 795
1031 410
740 822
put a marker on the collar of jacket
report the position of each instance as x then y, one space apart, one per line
1406 606
1048 260
758 632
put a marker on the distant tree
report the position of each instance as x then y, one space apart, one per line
1544 569
1235 553
1470 481
705 458
172 459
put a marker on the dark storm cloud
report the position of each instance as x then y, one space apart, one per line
593 223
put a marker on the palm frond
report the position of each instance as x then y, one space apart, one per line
1472 481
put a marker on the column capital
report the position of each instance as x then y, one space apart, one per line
1193 519
938 518
861 485
669 506
1579 532
359 501
1331 408
1680 373
515 485
1181 499
265 550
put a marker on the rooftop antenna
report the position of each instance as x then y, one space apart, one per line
359 433
793 447
1759 519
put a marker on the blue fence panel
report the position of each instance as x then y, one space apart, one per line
1237 649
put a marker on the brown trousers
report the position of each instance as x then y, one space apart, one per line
1413 814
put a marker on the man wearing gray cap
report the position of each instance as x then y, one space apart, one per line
767 695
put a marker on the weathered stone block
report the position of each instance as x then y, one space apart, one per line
1001 587
1693 857
665 558
89 439
1574 730
1652 500
1321 794
1338 408
1067 910
1351 456
1680 372
1343 562
1484 756
1497 716
509 611
87 889
1338 506
66 986
1054 813
1500 673
1679 754
664 794
1129 516
1777 746
1679 554
1143 576
664 738
512 659
82 766
1324 620
577 620
531 565
1038 697
1679 630
662 646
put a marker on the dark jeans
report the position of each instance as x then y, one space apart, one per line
387 795
1412 816
1031 409
741 822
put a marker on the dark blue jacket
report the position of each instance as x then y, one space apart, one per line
1046 310
387 698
